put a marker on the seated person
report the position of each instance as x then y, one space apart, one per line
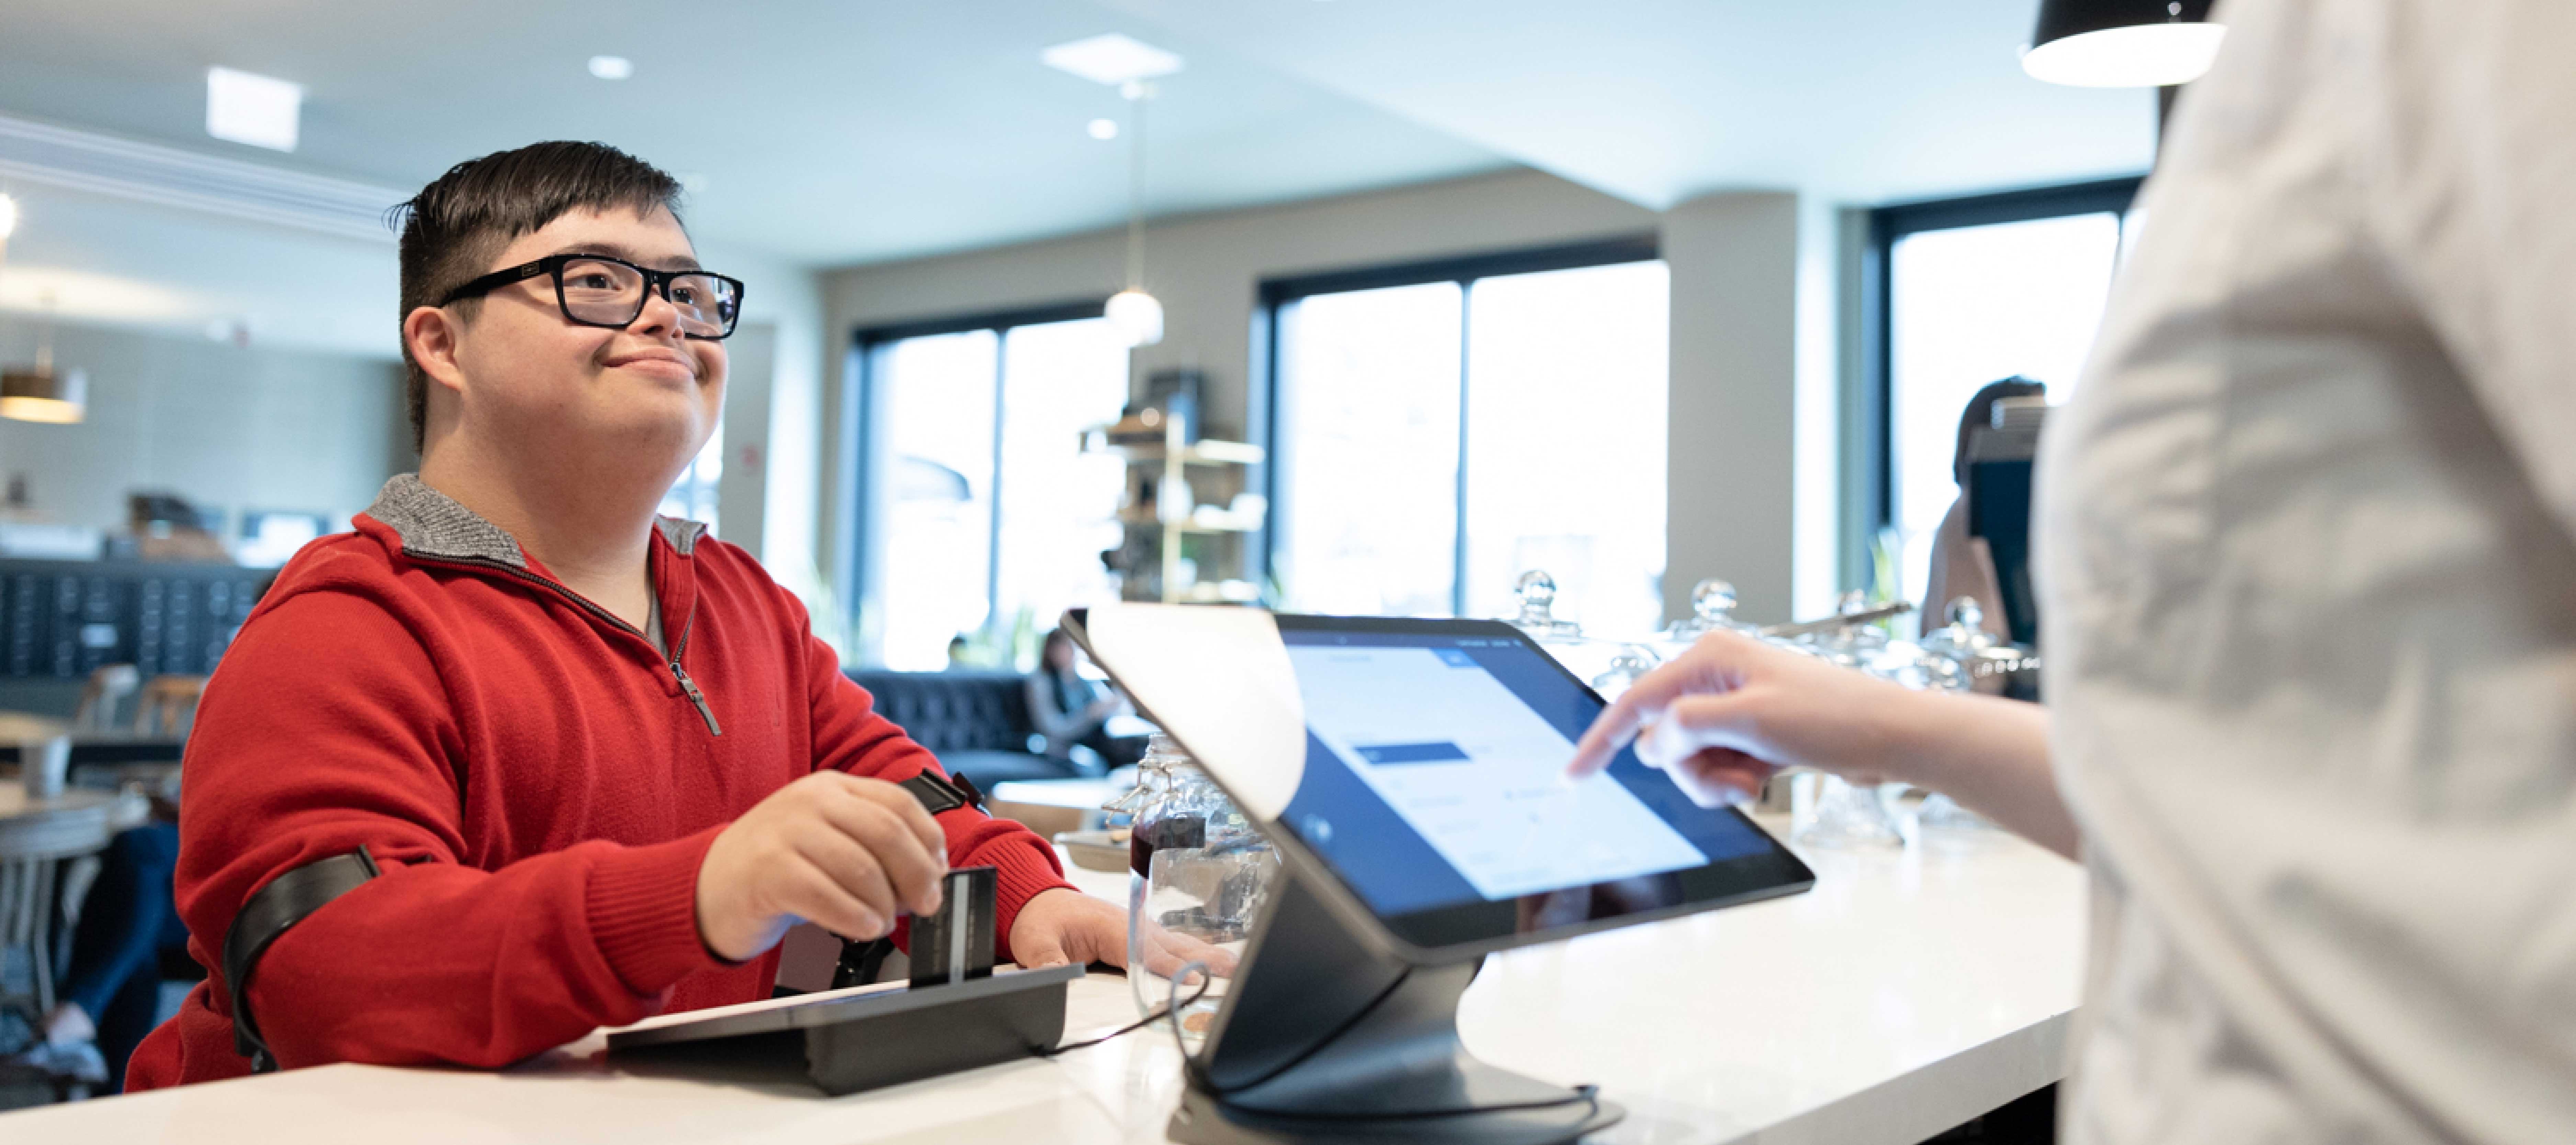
600 758
111 988
1070 708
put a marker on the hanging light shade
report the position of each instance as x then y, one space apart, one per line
38 393
1137 317
2122 43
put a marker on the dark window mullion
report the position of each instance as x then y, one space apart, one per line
1458 534
1889 225
993 494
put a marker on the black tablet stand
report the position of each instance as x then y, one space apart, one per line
1321 1038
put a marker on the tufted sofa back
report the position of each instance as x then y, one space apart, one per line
951 712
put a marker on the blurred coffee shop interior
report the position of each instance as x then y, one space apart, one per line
1334 306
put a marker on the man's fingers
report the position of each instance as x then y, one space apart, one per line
1170 951
851 866
915 817
1037 951
814 895
911 868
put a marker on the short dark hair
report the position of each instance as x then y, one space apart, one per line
457 223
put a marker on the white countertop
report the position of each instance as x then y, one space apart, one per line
1907 993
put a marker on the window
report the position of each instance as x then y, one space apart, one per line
1973 291
693 496
979 513
1440 429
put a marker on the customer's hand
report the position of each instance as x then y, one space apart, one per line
1722 717
844 852
1059 926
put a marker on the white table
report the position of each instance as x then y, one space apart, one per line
1905 994
36 835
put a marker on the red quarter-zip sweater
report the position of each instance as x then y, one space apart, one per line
538 782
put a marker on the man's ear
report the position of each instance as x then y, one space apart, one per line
431 334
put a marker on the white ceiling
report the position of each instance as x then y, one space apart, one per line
1659 100
830 132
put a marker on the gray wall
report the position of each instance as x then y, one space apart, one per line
229 428
1735 266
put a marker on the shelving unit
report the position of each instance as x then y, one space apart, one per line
1166 465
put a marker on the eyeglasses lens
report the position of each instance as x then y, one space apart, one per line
613 293
602 292
706 304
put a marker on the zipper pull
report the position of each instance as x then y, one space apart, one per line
696 697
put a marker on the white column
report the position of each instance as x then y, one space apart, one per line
1733 429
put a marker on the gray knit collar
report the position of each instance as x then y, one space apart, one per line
431 524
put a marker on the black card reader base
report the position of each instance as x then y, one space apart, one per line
867 1041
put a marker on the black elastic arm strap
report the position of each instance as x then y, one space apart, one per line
285 901
937 794
860 961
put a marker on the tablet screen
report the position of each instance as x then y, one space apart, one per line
1431 787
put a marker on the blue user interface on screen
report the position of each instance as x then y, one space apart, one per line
1431 777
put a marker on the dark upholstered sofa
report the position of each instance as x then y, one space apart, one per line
977 723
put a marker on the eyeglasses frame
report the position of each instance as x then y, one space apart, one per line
655 281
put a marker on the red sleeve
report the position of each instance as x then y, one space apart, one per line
851 736
325 728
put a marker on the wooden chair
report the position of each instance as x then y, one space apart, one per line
169 705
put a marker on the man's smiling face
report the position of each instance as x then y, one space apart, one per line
537 379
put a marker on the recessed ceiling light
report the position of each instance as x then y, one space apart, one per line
258 110
8 216
1111 59
1100 129
611 67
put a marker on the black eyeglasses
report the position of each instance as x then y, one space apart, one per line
596 290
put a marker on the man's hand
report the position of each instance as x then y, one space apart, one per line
847 853
1059 926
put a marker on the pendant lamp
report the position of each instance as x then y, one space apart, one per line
1136 315
40 394
2122 43
37 393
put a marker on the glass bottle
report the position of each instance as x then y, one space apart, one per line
1537 593
1841 813
1198 873
1993 667
1630 665
1712 610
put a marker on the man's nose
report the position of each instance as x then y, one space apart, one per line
659 318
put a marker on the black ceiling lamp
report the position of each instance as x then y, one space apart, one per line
2122 43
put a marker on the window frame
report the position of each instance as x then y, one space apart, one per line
859 428
1888 225
1279 292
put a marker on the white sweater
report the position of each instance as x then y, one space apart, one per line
2308 557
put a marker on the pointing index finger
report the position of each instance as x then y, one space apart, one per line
1644 703
1615 727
